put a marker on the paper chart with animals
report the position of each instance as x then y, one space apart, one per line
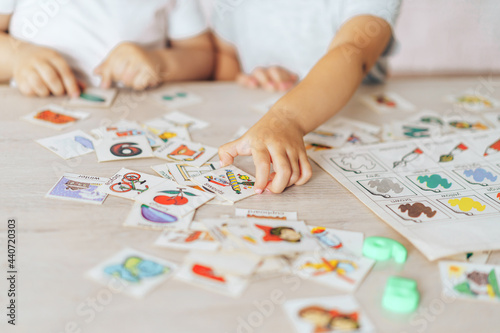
442 194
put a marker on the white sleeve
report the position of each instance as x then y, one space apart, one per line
385 9
186 20
222 22
7 6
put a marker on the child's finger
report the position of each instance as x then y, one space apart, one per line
294 163
130 74
227 153
305 169
141 80
37 84
25 88
263 78
262 163
283 171
50 78
67 76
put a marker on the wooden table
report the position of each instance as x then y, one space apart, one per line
59 241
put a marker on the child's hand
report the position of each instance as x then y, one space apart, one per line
273 140
271 79
39 71
132 65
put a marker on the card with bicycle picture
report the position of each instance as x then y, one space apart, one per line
129 184
123 148
174 199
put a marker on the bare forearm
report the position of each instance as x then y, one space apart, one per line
8 50
186 64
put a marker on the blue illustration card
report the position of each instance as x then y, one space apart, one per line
79 188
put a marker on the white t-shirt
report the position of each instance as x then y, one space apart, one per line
85 31
293 34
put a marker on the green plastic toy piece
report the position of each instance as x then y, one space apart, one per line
400 295
382 248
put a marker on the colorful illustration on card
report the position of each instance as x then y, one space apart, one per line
207 273
461 147
54 117
72 188
495 196
136 269
329 320
410 157
187 171
317 147
432 120
279 234
468 125
229 179
474 101
482 176
92 97
177 95
129 183
177 198
327 238
183 153
468 205
434 181
385 187
416 132
417 212
156 216
477 282
341 267
382 99
357 163
492 149
84 142
125 149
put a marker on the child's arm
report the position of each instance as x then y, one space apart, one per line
186 59
277 137
38 71
227 68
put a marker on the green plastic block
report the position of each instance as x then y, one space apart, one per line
382 248
400 295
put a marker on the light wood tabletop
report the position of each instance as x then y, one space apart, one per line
59 241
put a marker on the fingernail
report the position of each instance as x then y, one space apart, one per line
258 191
268 190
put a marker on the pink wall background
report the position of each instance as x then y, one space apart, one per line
443 37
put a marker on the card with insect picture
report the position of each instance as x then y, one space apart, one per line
473 102
183 173
181 151
328 136
162 170
147 217
69 145
328 314
129 184
94 98
266 214
263 237
177 97
387 102
229 182
332 268
126 128
165 130
470 281
171 198
113 149
182 119
135 273
187 239
196 271
55 116
80 188
348 242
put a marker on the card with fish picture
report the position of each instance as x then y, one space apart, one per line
182 119
196 271
123 148
80 188
129 184
328 314
55 116
332 268
177 97
230 183
146 217
183 173
473 101
132 272
69 145
181 151
94 98
348 242
187 239
265 214
387 102
171 198
470 281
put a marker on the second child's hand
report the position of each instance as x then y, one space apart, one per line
275 140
